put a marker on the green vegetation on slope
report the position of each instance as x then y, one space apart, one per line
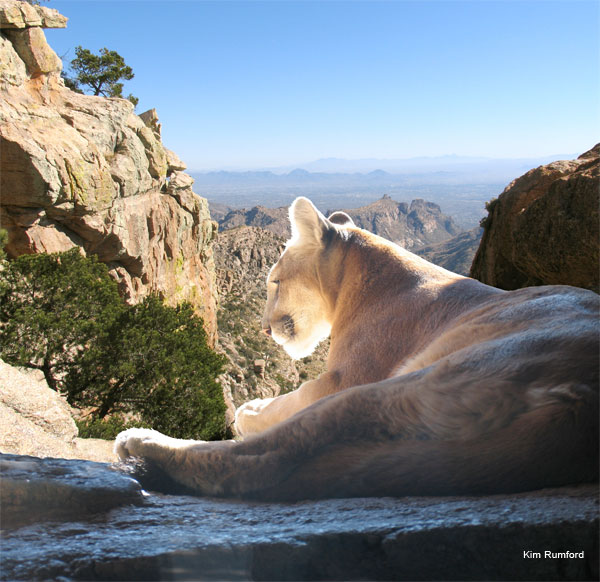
61 313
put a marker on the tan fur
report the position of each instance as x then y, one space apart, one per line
436 383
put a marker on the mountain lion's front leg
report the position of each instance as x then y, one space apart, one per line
183 460
260 414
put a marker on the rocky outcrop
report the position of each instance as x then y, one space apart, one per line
244 257
544 228
412 226
36 420
87 171
20 15
274 220
96 525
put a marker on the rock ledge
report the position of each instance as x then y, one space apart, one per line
182 538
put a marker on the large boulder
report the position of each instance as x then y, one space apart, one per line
36 420
544 228
78 170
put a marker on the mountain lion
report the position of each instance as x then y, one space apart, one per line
435 383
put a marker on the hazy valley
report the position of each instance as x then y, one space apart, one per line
459 185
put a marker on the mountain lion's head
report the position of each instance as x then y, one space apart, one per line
298 313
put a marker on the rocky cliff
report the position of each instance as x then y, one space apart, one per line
86 171
412 226
543 229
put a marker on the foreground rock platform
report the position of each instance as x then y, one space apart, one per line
174 537
34 490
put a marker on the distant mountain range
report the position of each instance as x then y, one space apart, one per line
460 185
423 164
374 168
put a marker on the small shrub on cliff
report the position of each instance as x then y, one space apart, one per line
100 74
3 241
489 206
62 314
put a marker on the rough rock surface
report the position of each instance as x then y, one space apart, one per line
35 490
36 420
411 225
243 258
21 15
274 220
87 171
544 228
105 534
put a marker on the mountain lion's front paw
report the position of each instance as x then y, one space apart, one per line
130 443
247 416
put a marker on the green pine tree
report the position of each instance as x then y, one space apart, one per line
99 74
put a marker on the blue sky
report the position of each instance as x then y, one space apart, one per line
261 84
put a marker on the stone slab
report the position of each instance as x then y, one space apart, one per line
174 537
34 489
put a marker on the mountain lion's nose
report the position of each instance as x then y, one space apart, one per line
267 330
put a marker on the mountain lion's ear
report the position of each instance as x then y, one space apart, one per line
341 218
308 224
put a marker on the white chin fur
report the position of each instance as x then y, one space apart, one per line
298 352
300 349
